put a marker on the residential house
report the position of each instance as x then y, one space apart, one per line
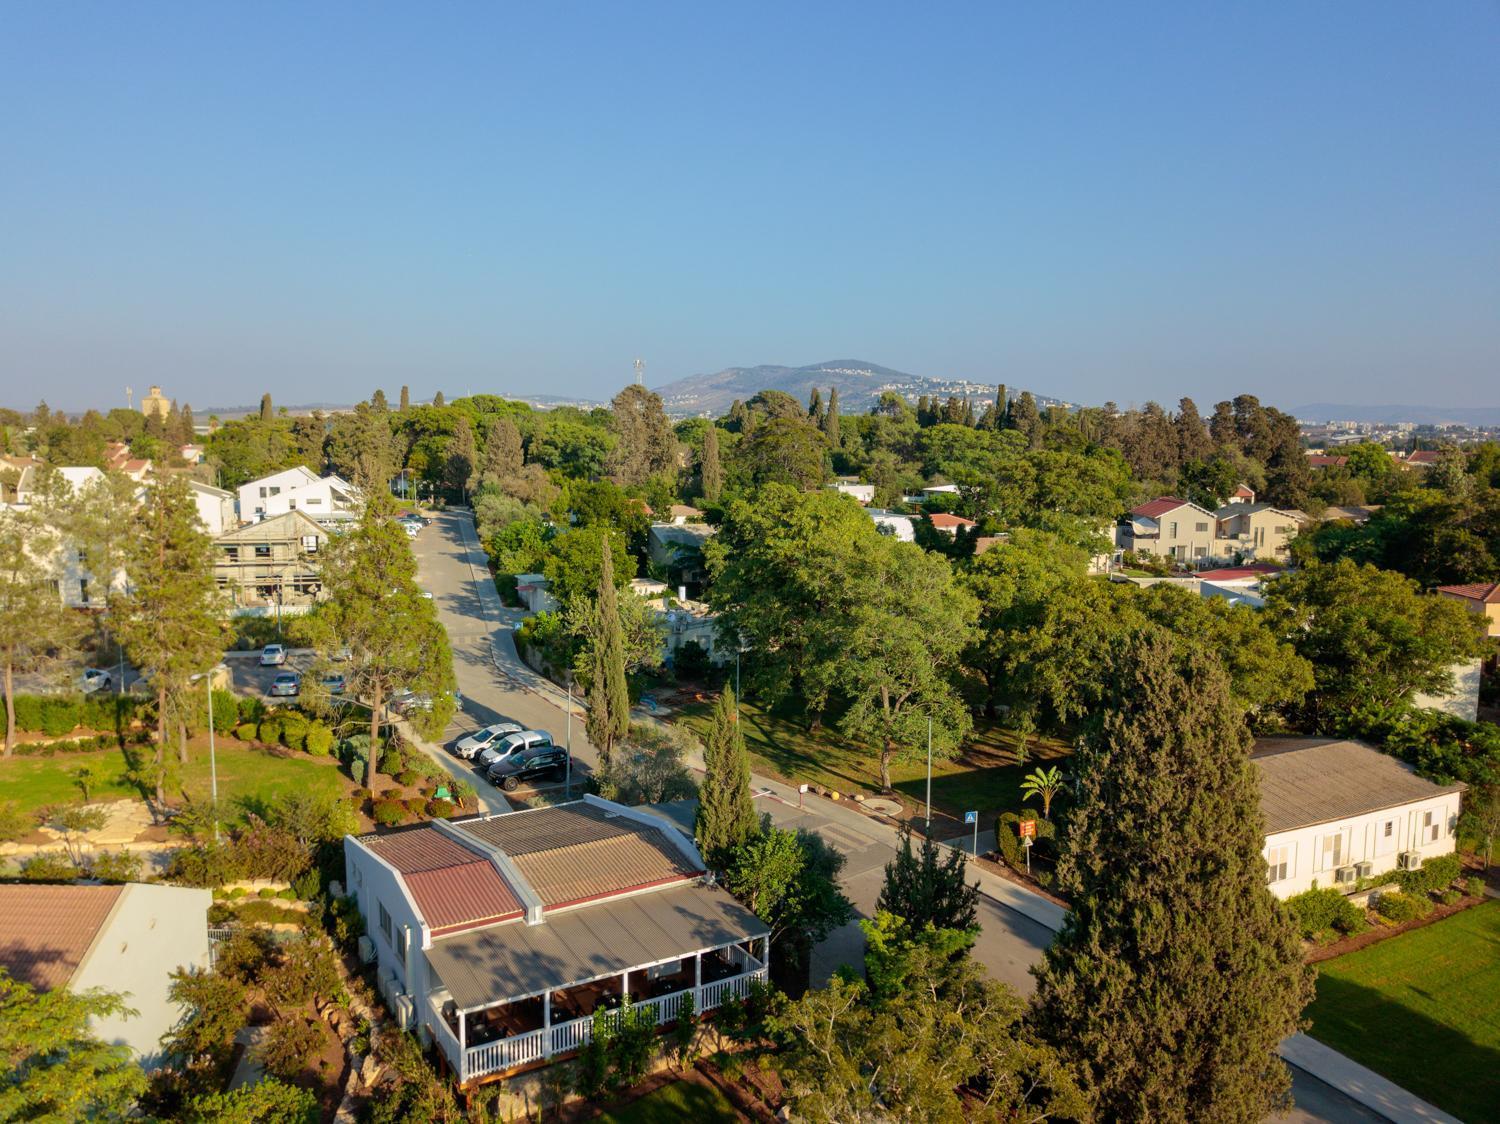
681 513
328 499
277 561
948 524
1169 528
1421 459
677 548
17 479
1255 531
127 939
192 453
1481 598
1338 811
934 490
863 494
682 620
1326 460
216 507
1462 699
500 936
903 527
1354 514
1242 494
532 590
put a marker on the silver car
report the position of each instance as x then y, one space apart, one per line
509 745
480 740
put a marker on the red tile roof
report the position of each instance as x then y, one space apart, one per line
1156 508
1244 491
1326 460
454 887
942 520
45 931
1424 456
1487 593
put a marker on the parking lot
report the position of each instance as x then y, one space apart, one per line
462 725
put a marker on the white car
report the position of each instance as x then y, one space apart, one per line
480 740
272 655
511 744
93 679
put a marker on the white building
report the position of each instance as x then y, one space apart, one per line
125 939
1338 811
903 527
863 494
682 620
532 590
328 499
215 508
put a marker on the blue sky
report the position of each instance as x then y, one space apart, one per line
1098 201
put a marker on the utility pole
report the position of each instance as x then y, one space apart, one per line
213 765
929 776
640 372
568 775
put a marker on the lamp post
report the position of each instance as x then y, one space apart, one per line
568 744
929 776
213 765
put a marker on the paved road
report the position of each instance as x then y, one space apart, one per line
495 684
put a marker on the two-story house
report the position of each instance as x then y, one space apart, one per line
277 561
1169 528
1255 531
328 499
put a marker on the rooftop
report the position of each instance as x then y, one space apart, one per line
1487 593
944 519
45 931
455 886
1307 781
1155 509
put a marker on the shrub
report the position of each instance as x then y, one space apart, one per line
1317 912
463 791
416 805
319 741
407 777
391 762
1474 887
208 866
307 885
1451 897
270 852
439 809
294 727
14 821
260 912
288 1045
1434 874
270 730
71 745
1399 907
265 893
50 866
238 892
115 866
246 731
388 813
251 709
109 712
1008 838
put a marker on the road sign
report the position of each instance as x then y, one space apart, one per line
1028 829
971 817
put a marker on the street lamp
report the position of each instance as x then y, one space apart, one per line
929 776
568 744
213 765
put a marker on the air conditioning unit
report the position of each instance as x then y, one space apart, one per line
1364 869
1344 874
366 950
405 1011
1409 860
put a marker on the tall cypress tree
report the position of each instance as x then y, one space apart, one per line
1176 972
266 412
438 400
815 407
405 397
726 810
710 471
609 698
831 419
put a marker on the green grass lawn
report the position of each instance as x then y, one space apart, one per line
1423 1009
679 1101
986 775
248 775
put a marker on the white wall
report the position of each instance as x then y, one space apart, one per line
1363 838
1463 701
296 489
153 931
374 884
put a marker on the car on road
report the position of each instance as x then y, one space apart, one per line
334 684
409 702
342 655
94 679
286 685
539 761
411 530
469 746
272 655
509 745
426 593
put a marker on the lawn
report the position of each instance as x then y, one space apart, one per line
1423 1009
985 777
249 776
679 1101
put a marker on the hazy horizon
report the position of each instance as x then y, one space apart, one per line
1092 202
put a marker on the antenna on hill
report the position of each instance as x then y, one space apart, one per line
640 371
129 398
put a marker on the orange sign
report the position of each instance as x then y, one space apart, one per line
1028 829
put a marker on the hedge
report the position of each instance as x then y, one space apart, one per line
56 715
1317 912
79 745
1434 874
1399 907
388 813
319 740
1008 839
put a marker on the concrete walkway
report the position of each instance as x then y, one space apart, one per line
1360 1084
489 797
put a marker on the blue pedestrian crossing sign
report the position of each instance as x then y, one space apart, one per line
971 817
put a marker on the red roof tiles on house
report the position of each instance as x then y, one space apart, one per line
943 521
1486 593
1424 457
45 931
1156 508
1325 460
454 887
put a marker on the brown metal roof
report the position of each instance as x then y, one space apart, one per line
453 886
1310 782
46 930
515 960
541 829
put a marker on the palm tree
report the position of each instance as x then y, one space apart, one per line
1046 783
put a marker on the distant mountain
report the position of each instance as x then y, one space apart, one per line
1393 415
860 385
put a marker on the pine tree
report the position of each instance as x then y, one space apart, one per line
726 810
1193 442
738 419
710 471
644 442
266 412
1176 972
405 398
503 457
377 400
167 617
609 698
463 458
831 419
929 890
1025 419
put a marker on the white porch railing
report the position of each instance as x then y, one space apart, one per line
560 1038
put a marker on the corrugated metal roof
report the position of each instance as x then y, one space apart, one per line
1323 782
454 887
46 930
1156 508
509 961
541 829
422 848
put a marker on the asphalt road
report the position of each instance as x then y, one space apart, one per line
495 685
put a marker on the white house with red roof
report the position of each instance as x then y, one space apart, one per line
948 524
1480 598
1169 528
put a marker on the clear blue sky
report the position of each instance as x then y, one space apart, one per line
1096 201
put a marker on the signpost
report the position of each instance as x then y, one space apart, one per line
1028 833
801 791
973 818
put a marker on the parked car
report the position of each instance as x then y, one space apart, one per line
511 744
334 684
406 702
426 593
93 679
342 655
472 744
539 761
272 655
287 684
410 529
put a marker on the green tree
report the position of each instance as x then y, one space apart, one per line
726 809
166 616
573 565
405 398
1174 948
831 419
644 442
52 1068
783 450
461 470
608 696
930 889
503 457
710 471
267 414
362 449
1372 638
268 1101
375 609
1045 783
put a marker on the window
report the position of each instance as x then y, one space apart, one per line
1333 851
262 493
1200 527
291 505
263 550
312 500
1389 829
401 938
1172 530
231 554
1278 863
385 922
1431 827
83 590
1200 551
275 491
